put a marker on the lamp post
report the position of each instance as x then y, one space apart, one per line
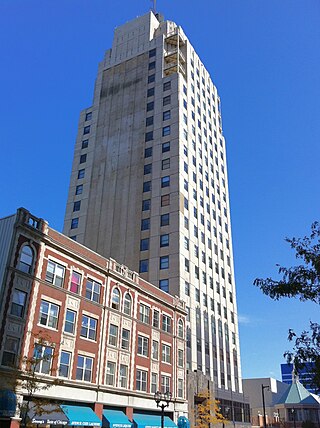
163 401
263 387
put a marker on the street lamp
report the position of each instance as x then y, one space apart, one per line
163 401
263 387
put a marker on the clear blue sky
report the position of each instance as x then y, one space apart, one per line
264 57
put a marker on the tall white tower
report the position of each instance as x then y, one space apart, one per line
149 184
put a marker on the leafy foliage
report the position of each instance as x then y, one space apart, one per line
303 282
207 411
25 378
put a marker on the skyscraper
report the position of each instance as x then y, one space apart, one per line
149 185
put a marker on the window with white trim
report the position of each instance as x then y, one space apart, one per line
143 346
49 313
115 302
18 303
166 354
154 383
155 350
165 384
26 259
65 361
84 368
93 290
110 373
180 358
55 273
125 339
123 376
70 322
75 282
127 303
166 323
144 313
88 327
141 380
42 357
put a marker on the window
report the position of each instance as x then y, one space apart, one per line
93 290
141 380
180 388
113 335
127 303
18 303
144 314
165 181
156 318
88 327
70 322
164 285
64 368
48 314
166 147
166 100
81 173
154 383
187 288
164 240
166 131
155 350
144 244
110 373
74 223
79 189
150 92
180 358
115 300
143 265
26 259
164 220
166 86
149 121
151 78
147 169
88 116
84 144
149 136
166 354
84 368
165 384
165 164
83 158
165 200
148 152
146 204
143 346
123 376
42 356
86 130
166 115
145 224
164 262
180 329
197 293
186 265
150 106
75 282
10 351
125 339
147 186
166 323
152 65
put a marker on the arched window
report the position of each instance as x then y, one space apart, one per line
26 259
115 302
180 329
127 304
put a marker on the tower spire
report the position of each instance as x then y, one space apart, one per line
154 9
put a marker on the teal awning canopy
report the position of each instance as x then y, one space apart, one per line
81 416
116 419
152 421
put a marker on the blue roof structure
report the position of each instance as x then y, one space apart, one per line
297 394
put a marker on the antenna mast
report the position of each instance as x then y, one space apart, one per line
154 6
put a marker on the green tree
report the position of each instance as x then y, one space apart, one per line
302 282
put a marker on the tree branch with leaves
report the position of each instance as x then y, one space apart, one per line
302 282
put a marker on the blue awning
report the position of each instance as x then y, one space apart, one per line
152 421
81 416
116 419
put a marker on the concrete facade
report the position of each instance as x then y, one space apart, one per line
83 307
149 185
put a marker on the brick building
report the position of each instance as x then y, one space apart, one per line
114 339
